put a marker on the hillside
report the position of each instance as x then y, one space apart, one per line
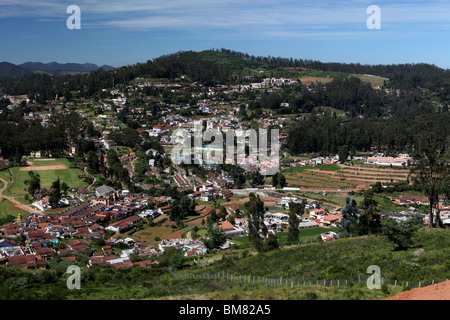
59 67
345 260
11 70
335 270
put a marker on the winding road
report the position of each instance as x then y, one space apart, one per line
17 203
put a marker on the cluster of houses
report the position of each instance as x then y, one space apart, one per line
314 161
377 159
72 229
441 208
209 191
409 200
381 160
190 247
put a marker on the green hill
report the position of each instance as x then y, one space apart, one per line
333 270
231 62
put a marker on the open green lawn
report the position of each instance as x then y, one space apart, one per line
69 176
48 162
373 80
16 180
7 208
305 235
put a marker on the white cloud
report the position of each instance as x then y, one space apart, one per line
320 17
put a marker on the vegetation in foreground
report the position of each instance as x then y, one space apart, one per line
340 259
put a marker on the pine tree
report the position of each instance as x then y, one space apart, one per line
349 216
369 222
430 168
256 227
295 211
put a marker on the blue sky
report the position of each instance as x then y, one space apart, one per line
122 32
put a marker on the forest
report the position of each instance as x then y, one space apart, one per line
404 76
391 134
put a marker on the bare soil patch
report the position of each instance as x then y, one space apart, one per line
438 291
43 168
309 80
175 235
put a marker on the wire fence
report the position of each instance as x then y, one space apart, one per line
292 282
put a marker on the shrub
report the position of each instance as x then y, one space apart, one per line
401 232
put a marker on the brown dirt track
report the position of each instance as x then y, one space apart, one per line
41 168
438 291
309 80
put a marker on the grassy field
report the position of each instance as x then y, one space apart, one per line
8 208
150 235
16 181
17 177
373 80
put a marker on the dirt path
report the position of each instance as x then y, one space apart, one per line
18 204
5 185
93 181
42 168
438 291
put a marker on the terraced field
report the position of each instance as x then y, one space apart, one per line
346 177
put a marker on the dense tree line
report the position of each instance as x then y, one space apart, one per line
404 76
326 134
20 137
42 87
